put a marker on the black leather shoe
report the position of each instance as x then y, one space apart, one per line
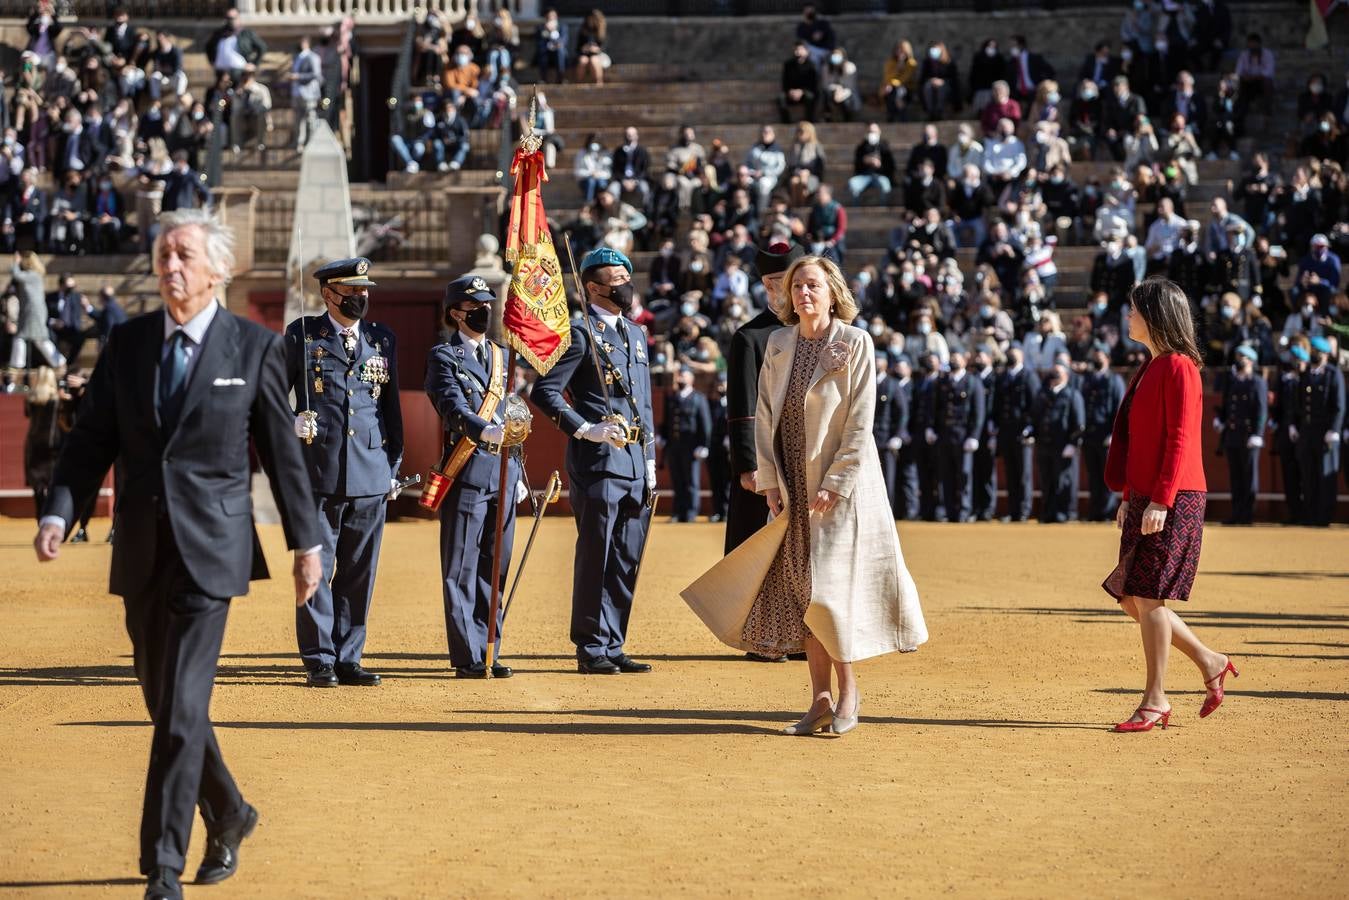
477 670
629 666
599 666
80 537
353 674
322 677
222 848
500 671
163 885
764 657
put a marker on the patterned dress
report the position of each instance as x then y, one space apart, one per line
776 621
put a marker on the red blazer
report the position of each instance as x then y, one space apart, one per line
1156 446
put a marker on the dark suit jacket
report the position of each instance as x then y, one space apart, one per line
123 46
181 187
748 346
1198 114
641 162
36 204
71 313
1108 71
197 475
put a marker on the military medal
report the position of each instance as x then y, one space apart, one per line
374 392
318 384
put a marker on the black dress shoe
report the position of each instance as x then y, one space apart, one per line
477 670
598 666
500 671
765 657
163 885
322 677
222 848
629 666
80 537
352 674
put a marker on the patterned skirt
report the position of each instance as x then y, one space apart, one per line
1159 566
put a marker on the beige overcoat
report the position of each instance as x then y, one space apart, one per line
863 600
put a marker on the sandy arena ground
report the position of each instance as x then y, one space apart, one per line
982 768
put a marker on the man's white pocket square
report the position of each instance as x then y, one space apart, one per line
228 382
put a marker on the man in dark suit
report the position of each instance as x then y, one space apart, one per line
1018 386
1100 67
748 512
107 316
65 313
120 36
174 401
184 188
460 373
959 420
25 214
1059 419
1102 394
1119 115
631 162
687 433
1212 32
1025 70
1185 100
923 427
612 471
344 371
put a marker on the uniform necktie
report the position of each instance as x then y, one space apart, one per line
349 342
172 379
482 358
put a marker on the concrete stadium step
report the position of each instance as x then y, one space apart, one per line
565 96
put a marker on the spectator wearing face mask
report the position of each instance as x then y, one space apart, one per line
460 84
925 190
966 151
1113 272
1299 204
1235 269
816 33
838 87
800 85
1084 120
1163 235
925 340
25 214
1314 102
1184 100
828 226
1100 66
106 216
632 164
413 146
686 158
1043 345
969 203
1004 157
731 282
591 60
230 47
1050 151
551 48
107 315
1319 424
766 162
69 212
1001 252
939 81
1318 273
593 168
873 165
1000 106
1120 116
1305 320
1215 235
183 187
450 142
899 82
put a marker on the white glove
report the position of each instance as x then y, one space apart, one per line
930 436
1217 424
492 434
1029 440
394 489
660 442
604 433
521 491
1332 438
650 474
1070 451
1254 441
700 453
306 427
971 444
1293 433
894 444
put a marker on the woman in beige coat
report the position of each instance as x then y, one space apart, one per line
827 575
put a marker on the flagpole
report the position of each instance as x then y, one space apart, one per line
502 501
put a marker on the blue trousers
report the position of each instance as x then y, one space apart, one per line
1016 461
1243 470
467 533
331 626
985 482
685 479
611 523
957 476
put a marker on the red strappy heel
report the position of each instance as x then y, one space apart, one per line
1215 695
1163 719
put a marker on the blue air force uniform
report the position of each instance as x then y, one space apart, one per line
351 384
1013 404
608 485
459 372
1102 394
985 457
930 506
891 421
959 407
907 502
686 430
1241 419
1319 415
1059 419
1283 416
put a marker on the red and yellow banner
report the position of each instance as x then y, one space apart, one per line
535 317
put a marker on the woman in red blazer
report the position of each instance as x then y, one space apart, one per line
1155 459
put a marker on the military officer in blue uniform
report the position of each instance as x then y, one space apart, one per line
959 405
1319 418
687 433
1102 393
907 493
924 418
888 426
459 374
1018 386
1059 420
985 456
1283 424
344 371
719 462
611 472
1240 424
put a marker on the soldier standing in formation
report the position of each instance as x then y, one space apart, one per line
747 512
1283 422
719 462
1240 424
1102 393
346 371
924 421
889 424
1319 421
1059 419
985 455
959 403
687 433
906 503
611 471
1018 386
466 381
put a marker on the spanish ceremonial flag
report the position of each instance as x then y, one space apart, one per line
535 317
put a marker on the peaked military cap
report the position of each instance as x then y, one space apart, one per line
352 272
473 288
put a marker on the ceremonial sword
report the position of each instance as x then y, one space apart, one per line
310 416
548 495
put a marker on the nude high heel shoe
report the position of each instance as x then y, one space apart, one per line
845 724
807 725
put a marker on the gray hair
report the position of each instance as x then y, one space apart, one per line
219 238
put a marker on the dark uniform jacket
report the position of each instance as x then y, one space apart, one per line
1320 403
1102 393
1244 409
359 446
688 420
748 345
1014 401
959 408
1059 419
892 412
456 383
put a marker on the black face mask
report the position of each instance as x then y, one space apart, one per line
354 306
478 319
620 295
